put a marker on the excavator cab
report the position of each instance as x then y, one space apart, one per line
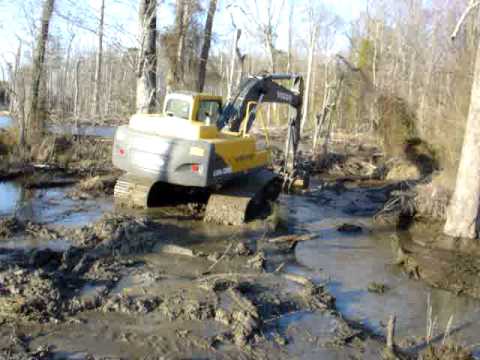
202 108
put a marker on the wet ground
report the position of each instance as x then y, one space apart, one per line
353 264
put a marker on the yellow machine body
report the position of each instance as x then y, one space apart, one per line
238 150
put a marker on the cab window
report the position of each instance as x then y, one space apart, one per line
178 108
209 108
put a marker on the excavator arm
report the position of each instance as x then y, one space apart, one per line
266 89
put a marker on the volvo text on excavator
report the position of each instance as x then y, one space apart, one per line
198 146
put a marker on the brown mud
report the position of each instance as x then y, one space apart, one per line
208 299
440 261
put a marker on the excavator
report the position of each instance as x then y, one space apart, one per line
200 148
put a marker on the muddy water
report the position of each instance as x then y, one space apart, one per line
50 207
97 131
349 263
10 197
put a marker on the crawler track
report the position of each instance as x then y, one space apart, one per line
234 204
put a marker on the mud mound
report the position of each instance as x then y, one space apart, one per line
13 226
100 185
10 226
402 170
357 164
33 296
17 348
131 305
115 235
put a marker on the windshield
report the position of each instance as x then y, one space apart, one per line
209 108
178 108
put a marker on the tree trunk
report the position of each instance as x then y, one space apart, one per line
147 59
15 100
98 63
462 213
207 38
76 96
36 117
289 51
306 103
64 78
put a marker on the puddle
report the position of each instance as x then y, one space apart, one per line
350 262
50 206
5 121
97 131
11 196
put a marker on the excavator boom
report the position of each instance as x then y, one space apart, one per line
266 89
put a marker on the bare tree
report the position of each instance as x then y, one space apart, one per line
36 119
98 63
262 20
207 39
290 35
147 57
183 16
463 210
231 80
308 88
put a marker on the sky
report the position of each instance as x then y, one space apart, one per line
121 16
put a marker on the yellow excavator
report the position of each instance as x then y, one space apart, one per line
201 148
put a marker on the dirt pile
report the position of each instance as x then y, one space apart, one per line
356 165
402 170
17 348
116 235
12 226
33 296
92 187
131 305
43 285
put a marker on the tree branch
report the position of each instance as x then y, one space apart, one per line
473 4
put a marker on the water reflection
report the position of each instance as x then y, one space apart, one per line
5 121
11 195
97 131
353 261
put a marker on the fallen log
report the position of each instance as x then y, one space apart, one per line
291 238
